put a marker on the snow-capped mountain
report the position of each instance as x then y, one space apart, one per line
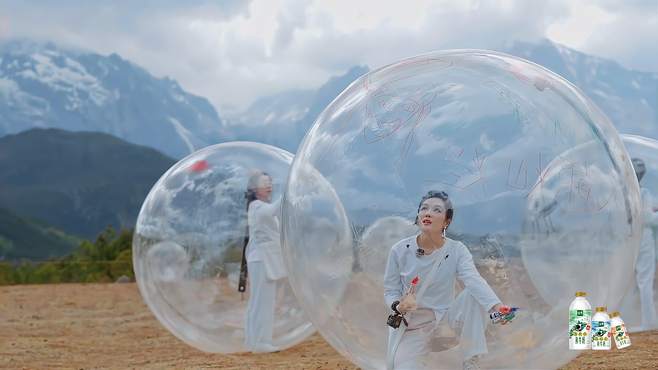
273 119
629 98
283 119
42 85
46 86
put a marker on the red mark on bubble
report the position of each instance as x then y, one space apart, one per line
199 166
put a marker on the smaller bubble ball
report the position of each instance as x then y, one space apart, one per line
188 245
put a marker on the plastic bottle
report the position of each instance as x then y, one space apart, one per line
505 313
619 332
601 335
580 319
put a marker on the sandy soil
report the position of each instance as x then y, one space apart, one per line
85 326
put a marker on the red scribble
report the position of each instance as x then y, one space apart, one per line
387 114
522 169
541 173
478 164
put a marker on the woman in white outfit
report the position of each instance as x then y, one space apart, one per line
264 262
645 266
415 257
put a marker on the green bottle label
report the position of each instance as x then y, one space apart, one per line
579 325
621 336
601 334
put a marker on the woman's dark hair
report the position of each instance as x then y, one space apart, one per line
437 194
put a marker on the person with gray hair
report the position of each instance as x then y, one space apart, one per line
645 265
264 261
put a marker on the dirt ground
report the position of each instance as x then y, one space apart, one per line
86 326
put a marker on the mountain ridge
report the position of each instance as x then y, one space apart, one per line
78 182
42 86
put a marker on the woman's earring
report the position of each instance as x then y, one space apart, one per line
444 231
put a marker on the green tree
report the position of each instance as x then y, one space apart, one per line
104 260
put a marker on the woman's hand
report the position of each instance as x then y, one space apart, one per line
408 303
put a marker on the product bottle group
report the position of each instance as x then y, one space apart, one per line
595 332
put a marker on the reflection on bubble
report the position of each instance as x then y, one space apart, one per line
167 262
377 239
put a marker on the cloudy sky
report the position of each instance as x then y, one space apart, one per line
234 51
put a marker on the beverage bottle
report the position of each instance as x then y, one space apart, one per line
601 335
410 296
619 332
580 319
505 313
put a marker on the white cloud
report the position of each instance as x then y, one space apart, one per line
631 40
234 52
626 31
583 21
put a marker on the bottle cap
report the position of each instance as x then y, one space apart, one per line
580 294
601 309
615 314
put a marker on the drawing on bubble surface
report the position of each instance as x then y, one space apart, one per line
387 113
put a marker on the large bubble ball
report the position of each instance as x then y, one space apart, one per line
639 306
543 191
188 248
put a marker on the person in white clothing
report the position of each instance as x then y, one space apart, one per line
416 256
645 265
264 262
